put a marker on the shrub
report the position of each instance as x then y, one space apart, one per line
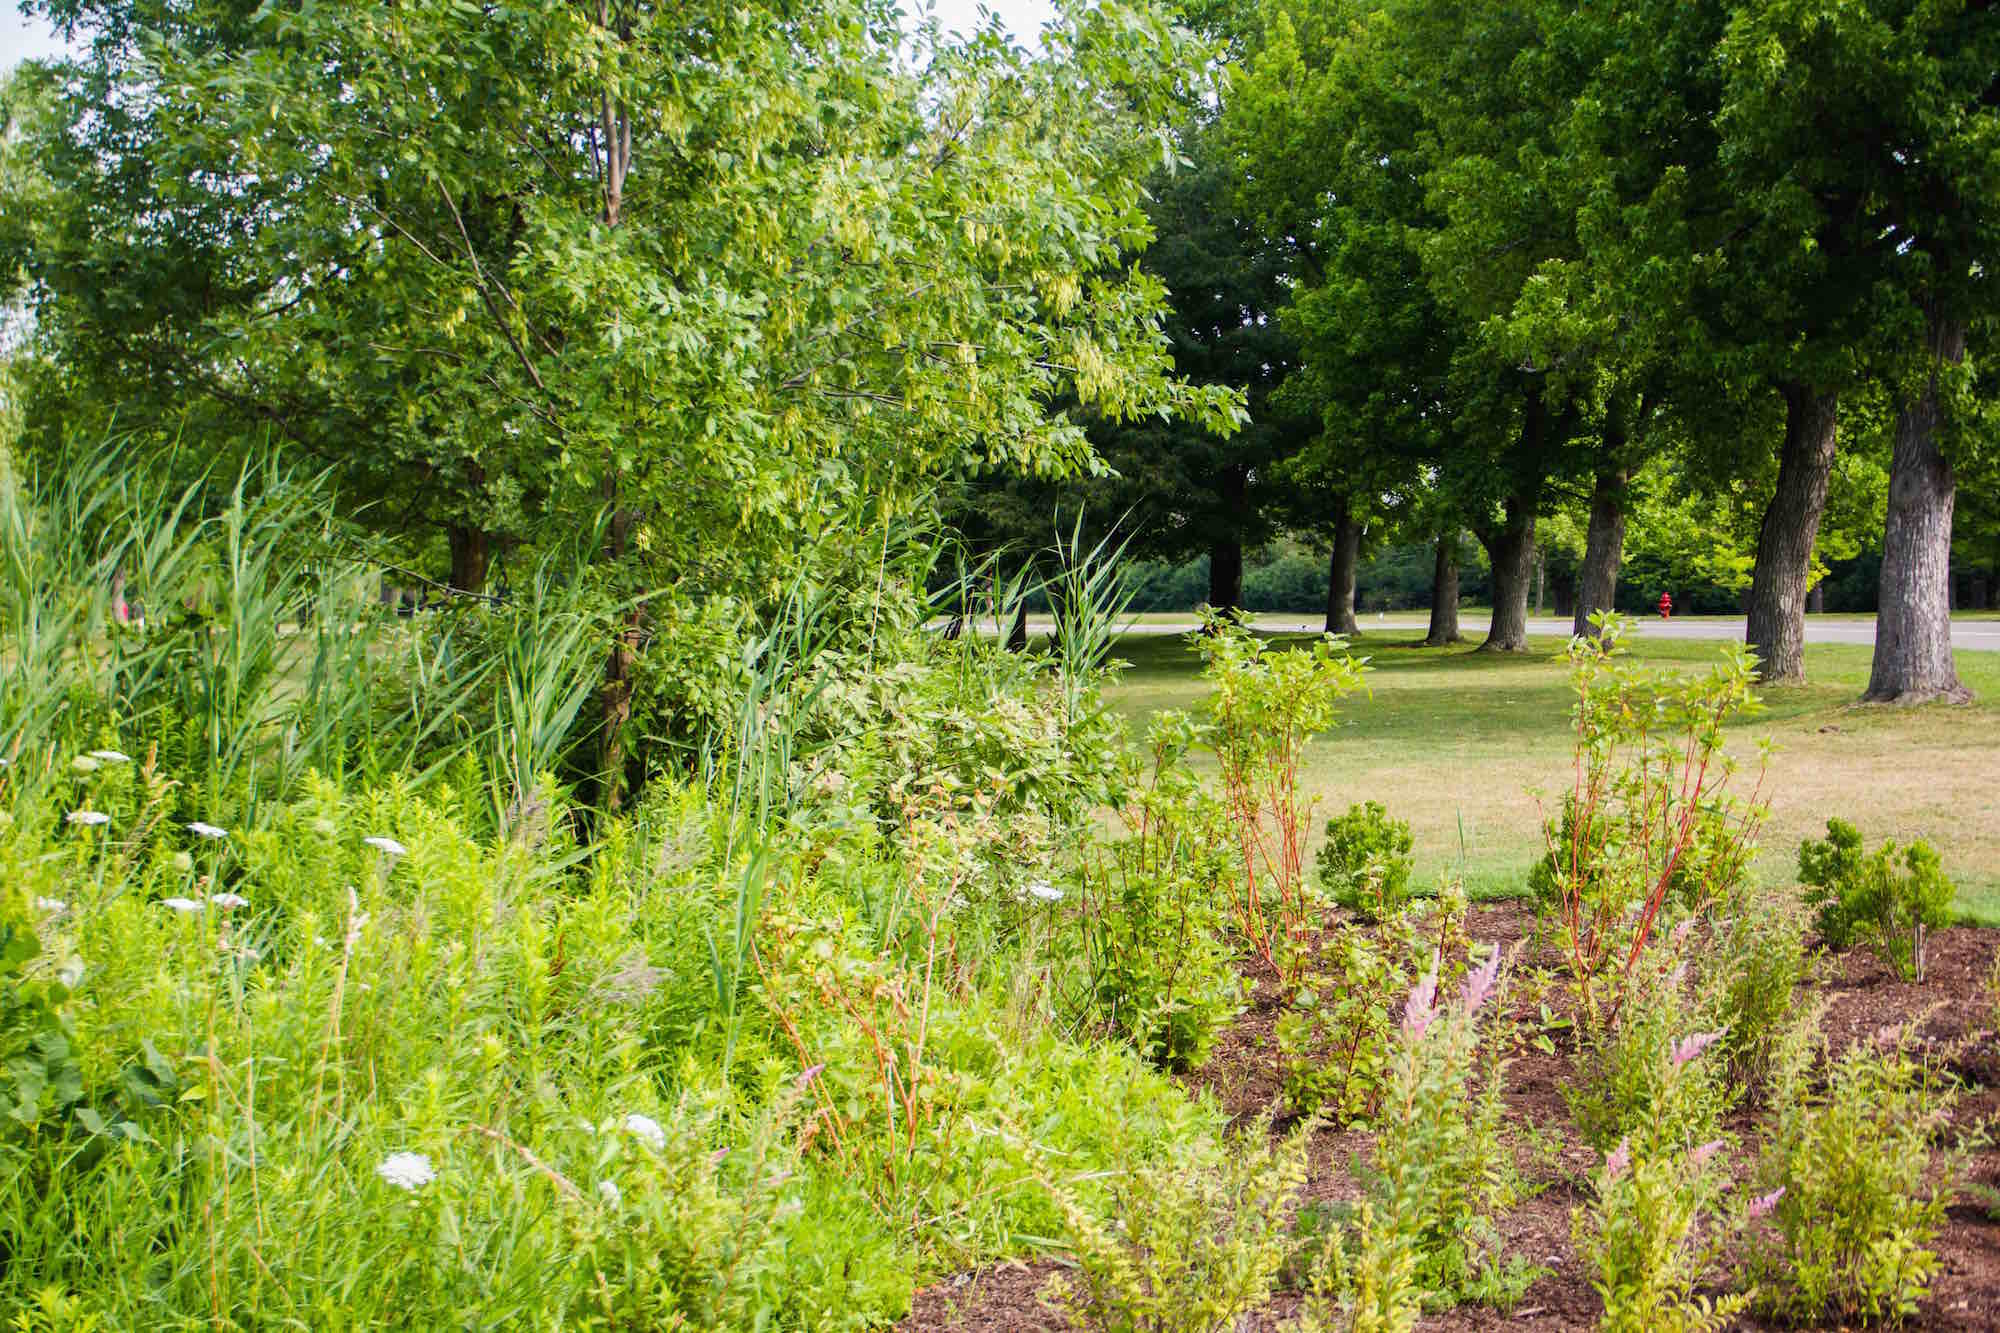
1155 966
1365 862
1649 813
1853 1195
1867 897
1438 1169
1649 1074
1357 1273
1651 1237
1187 1246
1263 709
1751 967
1335 1033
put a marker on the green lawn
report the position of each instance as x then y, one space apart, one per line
1457 742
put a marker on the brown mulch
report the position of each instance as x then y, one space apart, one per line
1953 1009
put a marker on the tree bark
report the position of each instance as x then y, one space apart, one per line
1341 568
1225 574
1775 611
615 694
1603 547
1510 546
1444 594
1511 550
1816 599
471 552
1225 548
1913 661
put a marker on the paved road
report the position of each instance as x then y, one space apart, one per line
1966 635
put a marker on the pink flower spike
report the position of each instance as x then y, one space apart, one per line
1689 1048
1479 985
1418 1009
1618 1159
1682 931
809 1075
715 1158
1762 1206
1707 1150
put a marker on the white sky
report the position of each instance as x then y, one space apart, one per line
22 38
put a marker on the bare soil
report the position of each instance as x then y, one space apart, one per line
1955 1014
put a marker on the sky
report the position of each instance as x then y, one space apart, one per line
23 38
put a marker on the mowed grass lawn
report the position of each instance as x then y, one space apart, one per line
1459 743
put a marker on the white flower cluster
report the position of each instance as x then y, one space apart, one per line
647 1130
407 1170
224 901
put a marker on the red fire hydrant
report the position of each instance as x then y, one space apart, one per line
1666 606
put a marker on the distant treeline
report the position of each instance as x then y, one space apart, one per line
1287 576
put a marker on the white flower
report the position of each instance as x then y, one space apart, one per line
647 1130
607 1190
70 973
389 845
201 830
52 906
83 763
1044 890
88 818
111 756
406 1170
228 900
182 904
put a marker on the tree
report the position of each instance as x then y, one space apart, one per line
734 272
1330 146
1174 488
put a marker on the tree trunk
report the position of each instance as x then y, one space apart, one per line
1341 568
1444 594
1510 545
471 551
615 695
1225 574
1913 661
1775 612
1603 548
1816 599
1225 549
1511 549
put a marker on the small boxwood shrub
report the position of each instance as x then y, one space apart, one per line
1365 861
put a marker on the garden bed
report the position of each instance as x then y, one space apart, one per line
1954 1009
